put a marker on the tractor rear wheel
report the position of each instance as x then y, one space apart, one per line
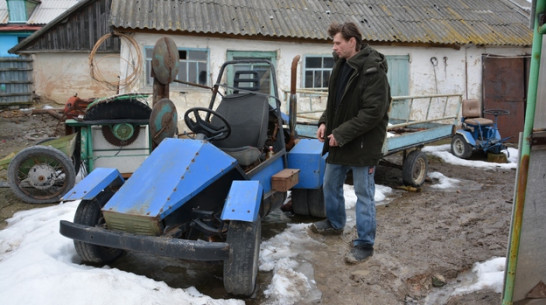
241 268
89 214
308 202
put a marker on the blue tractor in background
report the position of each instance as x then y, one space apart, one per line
478 133
203 196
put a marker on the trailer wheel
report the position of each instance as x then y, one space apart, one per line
308 202
414 169
89 213
241 268
41 174
460 148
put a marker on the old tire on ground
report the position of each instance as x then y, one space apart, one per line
89 213
41 174
460 148
241 268
308 202
130 108
415 168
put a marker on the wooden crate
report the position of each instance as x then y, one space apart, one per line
285 179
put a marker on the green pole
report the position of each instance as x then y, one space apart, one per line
523 170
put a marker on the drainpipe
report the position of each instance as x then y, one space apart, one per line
523 170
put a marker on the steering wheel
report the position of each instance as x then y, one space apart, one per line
204 126
496 112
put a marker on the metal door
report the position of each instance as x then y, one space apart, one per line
504 87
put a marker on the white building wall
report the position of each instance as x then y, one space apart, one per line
58 76
432 70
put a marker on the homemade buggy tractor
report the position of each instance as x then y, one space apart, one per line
110 131
477 133
204 197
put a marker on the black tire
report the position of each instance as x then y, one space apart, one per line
241 268
89 214
118 110
415 168
460 148
299 202
309 202
41 174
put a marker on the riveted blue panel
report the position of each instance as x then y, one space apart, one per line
307 157
176 171
243 201
265 173
94 183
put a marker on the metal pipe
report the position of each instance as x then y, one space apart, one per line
523 170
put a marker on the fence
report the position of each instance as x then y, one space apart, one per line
15 81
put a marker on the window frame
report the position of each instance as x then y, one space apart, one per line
322 70
148 81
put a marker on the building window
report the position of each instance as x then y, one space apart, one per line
193 67
317 71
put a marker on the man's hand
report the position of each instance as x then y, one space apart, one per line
332 141
320 132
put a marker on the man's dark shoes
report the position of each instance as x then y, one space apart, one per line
325 228
358 254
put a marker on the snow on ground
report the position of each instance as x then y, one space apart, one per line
442 151
39 266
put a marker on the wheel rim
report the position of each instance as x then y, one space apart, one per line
458 147
41 177
419 171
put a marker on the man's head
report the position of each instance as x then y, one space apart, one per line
347 39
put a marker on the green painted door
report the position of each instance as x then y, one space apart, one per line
398 75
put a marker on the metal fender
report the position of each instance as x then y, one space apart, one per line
467 136
307 157
243 201
94 183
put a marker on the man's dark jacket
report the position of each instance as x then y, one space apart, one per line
359 121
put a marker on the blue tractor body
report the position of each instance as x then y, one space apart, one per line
203 198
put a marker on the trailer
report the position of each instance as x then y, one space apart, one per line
414 121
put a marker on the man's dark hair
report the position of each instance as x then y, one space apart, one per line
347 30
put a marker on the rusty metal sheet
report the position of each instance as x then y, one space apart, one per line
504 85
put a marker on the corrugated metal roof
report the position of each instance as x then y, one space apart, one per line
46 11
49 10
453 22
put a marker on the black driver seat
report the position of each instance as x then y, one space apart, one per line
248 115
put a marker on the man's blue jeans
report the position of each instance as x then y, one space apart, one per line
364 184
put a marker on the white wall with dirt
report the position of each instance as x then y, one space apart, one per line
58 76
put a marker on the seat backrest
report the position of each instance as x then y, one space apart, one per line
248 116
471 109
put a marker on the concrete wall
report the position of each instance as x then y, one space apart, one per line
432 70
58 76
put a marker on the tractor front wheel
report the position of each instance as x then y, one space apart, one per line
460 148
241 268
89 213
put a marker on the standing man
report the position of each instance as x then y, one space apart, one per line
353 128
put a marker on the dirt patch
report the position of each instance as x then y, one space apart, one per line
21 129
420 235
424 234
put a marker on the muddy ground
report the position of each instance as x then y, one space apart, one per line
420 235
